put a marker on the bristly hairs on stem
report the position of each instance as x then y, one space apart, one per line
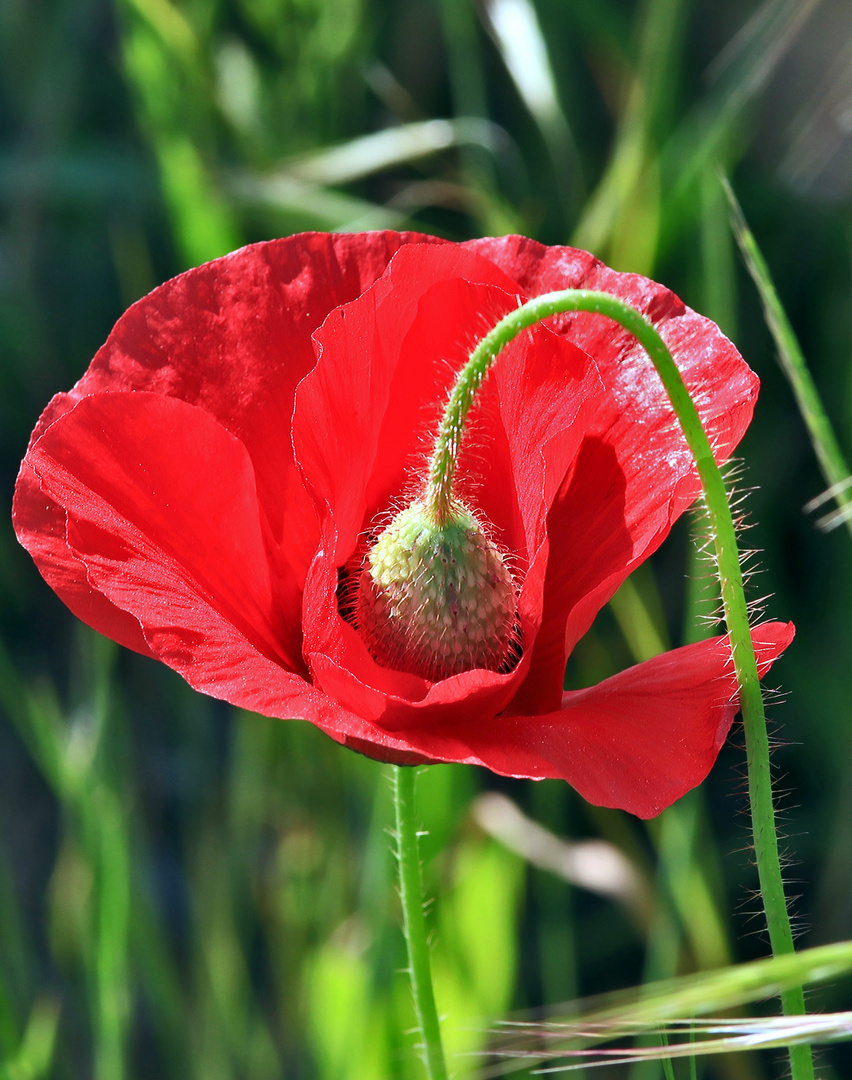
734 472
414 922
706 581
724 533
723 526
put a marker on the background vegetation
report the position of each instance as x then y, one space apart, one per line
190 892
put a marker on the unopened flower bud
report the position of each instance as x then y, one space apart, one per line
436 599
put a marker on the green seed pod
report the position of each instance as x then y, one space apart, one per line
436 599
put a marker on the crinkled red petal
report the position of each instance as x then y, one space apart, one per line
385 360
160 517
234 338
637 741
364 415
580 483
634 475
41 527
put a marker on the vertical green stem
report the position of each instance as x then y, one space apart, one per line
727 561
414 923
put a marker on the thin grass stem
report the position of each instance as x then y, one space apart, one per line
831 460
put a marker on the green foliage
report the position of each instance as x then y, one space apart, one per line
188 892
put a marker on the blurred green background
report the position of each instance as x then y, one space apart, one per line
190 892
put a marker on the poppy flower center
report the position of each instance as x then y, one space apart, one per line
435 596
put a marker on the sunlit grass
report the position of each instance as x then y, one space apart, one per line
190 892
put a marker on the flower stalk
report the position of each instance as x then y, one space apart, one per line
414 923
441 474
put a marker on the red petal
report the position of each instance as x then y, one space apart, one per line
634 475
157 508
637 741
364 418
40 524
209 580
234 338
364 415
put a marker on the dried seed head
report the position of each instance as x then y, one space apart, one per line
436 599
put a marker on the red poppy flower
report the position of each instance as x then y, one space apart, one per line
200 492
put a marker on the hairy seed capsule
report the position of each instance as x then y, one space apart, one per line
436 599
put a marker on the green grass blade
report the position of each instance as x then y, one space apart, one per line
668 1007
304 205
832 462
518 35
589 1048
741 73
390 148
668 1068
629 184
739 984
34 1059
493 213
165 71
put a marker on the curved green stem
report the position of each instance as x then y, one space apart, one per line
414 924
727 560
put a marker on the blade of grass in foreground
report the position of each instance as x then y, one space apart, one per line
661 1008
722 1036
826 447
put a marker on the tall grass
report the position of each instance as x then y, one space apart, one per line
186 891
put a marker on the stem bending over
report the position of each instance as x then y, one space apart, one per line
439 497
727 560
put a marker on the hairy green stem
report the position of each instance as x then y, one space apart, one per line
414 923
727 560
